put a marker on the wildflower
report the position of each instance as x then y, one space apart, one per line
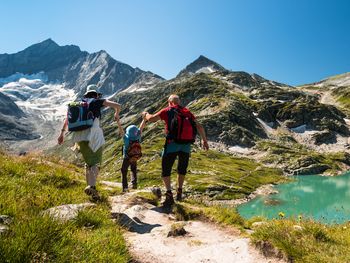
281 214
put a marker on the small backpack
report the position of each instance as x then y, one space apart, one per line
134 151
79 116
181 124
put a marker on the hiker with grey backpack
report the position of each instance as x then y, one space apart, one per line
83 120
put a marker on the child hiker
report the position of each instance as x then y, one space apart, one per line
131 153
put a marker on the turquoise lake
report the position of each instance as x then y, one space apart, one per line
322 198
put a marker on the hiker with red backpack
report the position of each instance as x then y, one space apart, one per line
181 130
131 153
83 120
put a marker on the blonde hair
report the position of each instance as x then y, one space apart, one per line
174 99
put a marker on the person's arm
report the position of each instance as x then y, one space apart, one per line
151 117
120 127
60 139
201 132
142 125
115 106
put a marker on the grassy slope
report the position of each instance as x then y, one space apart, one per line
30 185
207 169
315 242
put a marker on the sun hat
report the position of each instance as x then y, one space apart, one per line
92 89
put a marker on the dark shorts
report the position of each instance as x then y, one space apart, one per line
168 160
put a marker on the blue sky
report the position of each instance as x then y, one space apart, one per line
291 41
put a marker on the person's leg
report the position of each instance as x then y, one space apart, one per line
167 164
91 175
181 171
124 171
133 167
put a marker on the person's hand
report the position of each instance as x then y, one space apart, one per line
144 114
205 145
60 139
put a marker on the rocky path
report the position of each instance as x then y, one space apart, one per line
147 233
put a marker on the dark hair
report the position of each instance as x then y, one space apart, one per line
92 95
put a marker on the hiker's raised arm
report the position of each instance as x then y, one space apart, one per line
120 127
151 117
115 106
201 132
60 139
142 125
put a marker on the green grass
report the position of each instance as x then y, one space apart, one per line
241 176
29 185
314 243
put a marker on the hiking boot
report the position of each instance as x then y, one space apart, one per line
125 190
169 200
134 186
91 191
179 194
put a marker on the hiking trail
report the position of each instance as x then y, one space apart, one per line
147 236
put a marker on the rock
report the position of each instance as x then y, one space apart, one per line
312 169
3 229
269 250
272 202
256 225
176 230
157 192
6 220
298 228
67 212
325 136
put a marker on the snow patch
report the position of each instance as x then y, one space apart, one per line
207 70
299 129
35 96
239 149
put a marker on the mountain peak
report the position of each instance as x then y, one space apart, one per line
201 65
44 44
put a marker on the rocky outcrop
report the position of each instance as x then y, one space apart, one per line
306 111
311 169
325 136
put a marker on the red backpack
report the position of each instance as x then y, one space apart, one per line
134 151
181 125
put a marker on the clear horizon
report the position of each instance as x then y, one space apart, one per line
294 42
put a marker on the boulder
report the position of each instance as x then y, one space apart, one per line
5 219
177 229
67 212
3 229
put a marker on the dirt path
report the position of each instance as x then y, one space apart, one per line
148 227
